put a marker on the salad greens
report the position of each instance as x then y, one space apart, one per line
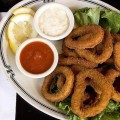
86 16
111 21
65 107
107 19
112 111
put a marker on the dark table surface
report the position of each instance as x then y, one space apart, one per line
25 111
5 5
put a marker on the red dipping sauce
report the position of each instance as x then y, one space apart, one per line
36 57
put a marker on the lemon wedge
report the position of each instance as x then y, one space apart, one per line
20 28
22 10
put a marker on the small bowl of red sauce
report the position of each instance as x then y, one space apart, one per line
36 57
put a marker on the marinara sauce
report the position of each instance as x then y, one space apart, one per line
36 57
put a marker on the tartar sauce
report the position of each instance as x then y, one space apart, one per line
53 21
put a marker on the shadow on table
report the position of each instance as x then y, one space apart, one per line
25 111
115 3
5 5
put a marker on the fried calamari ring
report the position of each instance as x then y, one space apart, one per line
68 52
104 69
85 37
61 78
107 48
110 61
100 85
71 52
78 68
112 76
76 61
66 89
116 38
116 54
60 81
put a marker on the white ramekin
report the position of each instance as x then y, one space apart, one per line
41 75
45 7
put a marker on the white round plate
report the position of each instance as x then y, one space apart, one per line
30 89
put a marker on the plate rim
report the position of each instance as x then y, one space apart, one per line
9 73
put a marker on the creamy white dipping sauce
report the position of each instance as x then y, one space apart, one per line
53 21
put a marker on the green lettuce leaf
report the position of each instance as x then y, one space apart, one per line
112 106
112 112
110 20
87 16
111 116
74 117
65 107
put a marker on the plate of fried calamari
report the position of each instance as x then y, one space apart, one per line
84 83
